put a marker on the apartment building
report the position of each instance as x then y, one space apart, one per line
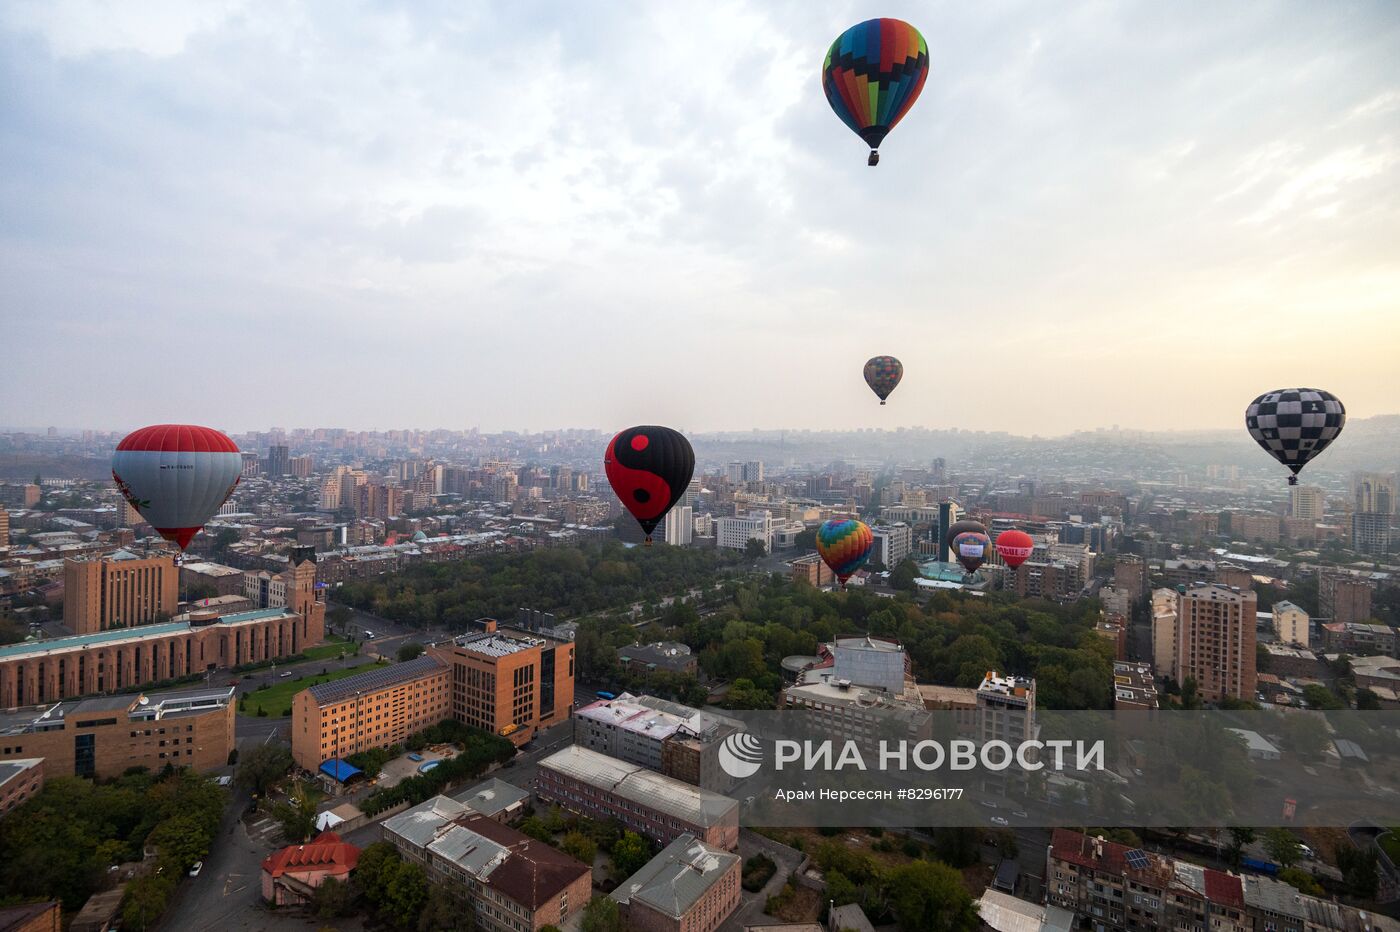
374 709
1215 641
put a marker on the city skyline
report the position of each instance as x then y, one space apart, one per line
1138 215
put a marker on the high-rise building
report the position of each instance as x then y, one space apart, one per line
119 590
302 466
893 544
1370 532
1291 623
753 471
949 513
1215 641
679 529
251 466
1166 609
4 527
278 461
511 682
1344 598
1373 492
1306 501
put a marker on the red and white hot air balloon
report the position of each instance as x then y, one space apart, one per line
176 476
1014 546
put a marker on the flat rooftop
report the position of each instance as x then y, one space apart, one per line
136 633
375 680
643 787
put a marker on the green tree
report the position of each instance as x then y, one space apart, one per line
442 913
1359 870
373 870
840 890
297 815
261 767
755 549
580 846
405 895
1240 837
602 915
409 651
332 899
630 854
925 895
1283 846
1301 880
145 899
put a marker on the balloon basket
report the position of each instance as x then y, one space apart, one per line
648 541
1292 480
874 158
882 404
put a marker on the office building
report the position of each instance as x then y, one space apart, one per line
688 887
812 570
893 544
1373 492
119 590
374 709
658 807
734 533
505 880
20 779
667 737
1370 532
510 682
106 735
949 513
1306 502
1133 686
278 462
1291 624
1215 641
1344 598
4 528
222 580
663 656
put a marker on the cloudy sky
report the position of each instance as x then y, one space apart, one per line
536 215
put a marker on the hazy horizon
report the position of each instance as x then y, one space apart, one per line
536 214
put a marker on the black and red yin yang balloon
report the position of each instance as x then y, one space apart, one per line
649 468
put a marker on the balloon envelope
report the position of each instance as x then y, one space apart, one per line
845 545
872 75
1015 547
649 468
176 476
882 374
970 549
959 527
1295 424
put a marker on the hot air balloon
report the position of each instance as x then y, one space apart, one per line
1015 547
176 476
1295 424
845 544
959 527
649 468
873 73
882 374
970 549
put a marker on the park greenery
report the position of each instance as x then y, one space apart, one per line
570 581
276 699
917 895
61 842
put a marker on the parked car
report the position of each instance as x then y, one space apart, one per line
198 866
998 820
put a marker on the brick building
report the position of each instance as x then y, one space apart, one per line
20 779
374 709
119 590
510 682
688 887
104 736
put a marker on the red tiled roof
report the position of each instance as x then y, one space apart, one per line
325 854
1224 889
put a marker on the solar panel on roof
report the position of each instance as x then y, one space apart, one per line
1137 859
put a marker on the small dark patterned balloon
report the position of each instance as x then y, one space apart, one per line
1295 424
882 374
649 468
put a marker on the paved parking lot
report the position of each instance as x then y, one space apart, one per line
401 768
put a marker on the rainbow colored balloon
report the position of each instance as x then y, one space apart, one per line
845 545
873 73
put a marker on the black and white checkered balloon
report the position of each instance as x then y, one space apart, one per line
1295 424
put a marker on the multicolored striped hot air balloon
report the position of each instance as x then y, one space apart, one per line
882 374
176 476
845 545
873 74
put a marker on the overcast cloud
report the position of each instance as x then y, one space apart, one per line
531 215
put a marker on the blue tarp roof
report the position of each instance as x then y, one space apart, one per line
339 770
